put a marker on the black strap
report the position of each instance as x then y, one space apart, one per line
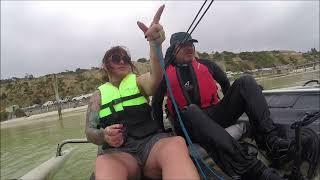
184 91
119 100
194 79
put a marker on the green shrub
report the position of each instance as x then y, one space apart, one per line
142 60
203 55
19 113
3 116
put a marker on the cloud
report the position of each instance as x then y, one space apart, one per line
53 36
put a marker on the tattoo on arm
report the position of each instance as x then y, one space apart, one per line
93 134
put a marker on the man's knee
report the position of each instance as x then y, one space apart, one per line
247 79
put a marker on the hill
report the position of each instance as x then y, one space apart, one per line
28 91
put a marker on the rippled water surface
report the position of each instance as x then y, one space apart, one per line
25 147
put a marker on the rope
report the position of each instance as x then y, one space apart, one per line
187 36
194 152
160 56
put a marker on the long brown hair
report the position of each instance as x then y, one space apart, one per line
117 50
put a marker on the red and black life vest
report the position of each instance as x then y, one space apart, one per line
205 82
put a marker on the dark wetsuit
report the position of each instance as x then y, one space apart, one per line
207 128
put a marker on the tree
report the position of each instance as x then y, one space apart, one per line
217 56
3 96
293 60
37 100
230 54
247 56
79 70
80 77
19 113
203 55
3 115
142 60
28 76
314 51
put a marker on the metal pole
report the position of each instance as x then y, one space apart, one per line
56 92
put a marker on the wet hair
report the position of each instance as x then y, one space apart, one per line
122 50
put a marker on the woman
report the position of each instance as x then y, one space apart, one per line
119 120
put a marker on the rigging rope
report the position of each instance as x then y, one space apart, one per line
162 63
187 36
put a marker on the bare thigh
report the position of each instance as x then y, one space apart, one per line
118 165
160 156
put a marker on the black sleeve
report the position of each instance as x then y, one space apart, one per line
218 74
156 104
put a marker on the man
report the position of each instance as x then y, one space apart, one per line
193 82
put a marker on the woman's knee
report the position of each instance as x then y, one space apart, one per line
108 167
175 144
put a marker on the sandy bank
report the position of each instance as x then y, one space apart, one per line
49 116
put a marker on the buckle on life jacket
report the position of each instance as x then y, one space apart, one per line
116 101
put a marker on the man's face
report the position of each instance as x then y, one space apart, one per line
185 54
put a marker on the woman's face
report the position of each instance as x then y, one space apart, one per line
118 64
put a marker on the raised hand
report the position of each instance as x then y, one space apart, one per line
154 34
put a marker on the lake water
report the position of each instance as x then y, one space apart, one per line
26 146
297 79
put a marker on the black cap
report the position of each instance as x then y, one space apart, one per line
181 37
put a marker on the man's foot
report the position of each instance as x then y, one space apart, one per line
279 149
261 172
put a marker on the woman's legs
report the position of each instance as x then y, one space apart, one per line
169 159
118 165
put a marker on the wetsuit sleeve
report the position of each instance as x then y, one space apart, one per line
219 75
93 134
156 104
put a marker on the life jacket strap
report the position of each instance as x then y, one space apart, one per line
120 100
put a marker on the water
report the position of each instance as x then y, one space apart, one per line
297 79
26 146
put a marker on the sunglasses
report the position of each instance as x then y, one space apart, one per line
117 58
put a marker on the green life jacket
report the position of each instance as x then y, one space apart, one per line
126 105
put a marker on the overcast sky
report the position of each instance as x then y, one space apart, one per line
50 37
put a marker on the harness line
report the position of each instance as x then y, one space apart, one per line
194 152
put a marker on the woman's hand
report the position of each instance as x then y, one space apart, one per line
113 135
154 34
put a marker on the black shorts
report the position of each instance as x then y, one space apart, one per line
138 148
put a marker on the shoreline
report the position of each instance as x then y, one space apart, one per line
39 117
